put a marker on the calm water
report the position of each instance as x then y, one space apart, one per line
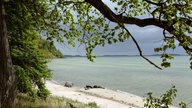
130 74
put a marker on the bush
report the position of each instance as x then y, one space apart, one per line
164 101
25 101
29 64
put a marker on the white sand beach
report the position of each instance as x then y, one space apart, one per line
104 98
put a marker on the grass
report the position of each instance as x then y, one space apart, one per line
24 101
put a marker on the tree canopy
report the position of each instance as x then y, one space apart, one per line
28 55
49 50
94 23
88 21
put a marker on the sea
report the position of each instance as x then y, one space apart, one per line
130 74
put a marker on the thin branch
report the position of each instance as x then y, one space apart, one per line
157 4
166 37
137 45
69 2
134 40
139 49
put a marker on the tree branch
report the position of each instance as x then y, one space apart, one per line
68 2
140 51
109 14
134 40
157 4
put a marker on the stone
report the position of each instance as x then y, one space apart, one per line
68 84
98 86
88 87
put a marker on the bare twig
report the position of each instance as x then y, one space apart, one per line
137 45
157 4
139 49
69 2
166 37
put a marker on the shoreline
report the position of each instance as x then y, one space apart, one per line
131 100
104 98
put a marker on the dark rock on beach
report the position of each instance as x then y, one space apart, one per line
95 86
98 86
88 87
68 84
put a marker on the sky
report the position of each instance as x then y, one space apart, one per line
148 38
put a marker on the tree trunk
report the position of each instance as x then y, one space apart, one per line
7 76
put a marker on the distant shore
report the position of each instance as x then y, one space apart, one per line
124 55
104 98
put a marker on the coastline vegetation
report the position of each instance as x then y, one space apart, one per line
164 101
29 52
25 101
49 50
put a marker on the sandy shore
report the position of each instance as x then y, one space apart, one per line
104 98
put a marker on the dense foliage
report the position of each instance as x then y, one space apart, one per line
28 60
29 64
165 100
28 51
76 20
25 101
92 23
49 50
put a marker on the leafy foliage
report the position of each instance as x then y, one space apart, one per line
49 50
25 101
29 63
30 66
79 20
164 101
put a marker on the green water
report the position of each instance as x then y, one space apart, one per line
129 74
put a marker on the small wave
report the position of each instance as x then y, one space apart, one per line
127 93
55 82
122 92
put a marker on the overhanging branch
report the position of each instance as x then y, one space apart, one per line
109 14
157 4
140 51
120 22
